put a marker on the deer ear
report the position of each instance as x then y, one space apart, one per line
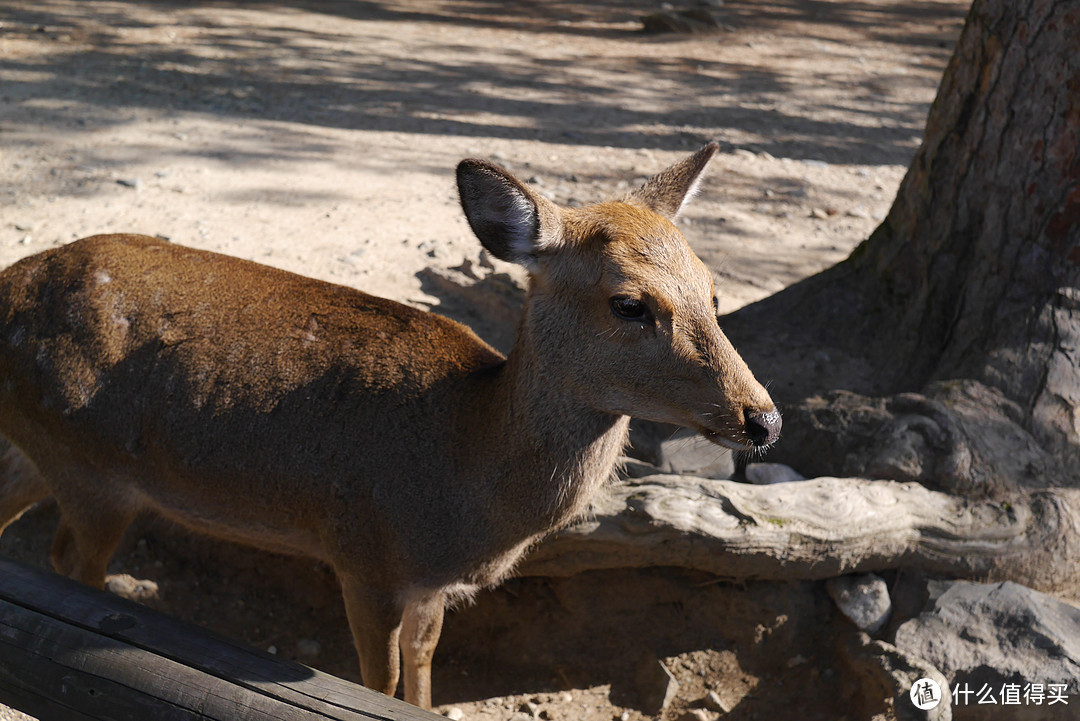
667 192
512 222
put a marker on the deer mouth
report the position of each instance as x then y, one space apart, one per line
725 441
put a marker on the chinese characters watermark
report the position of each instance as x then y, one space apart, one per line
926 694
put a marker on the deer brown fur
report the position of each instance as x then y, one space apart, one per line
298 416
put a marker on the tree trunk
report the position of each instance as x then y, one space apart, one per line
975 273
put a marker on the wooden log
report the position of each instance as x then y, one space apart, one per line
821 528
71 652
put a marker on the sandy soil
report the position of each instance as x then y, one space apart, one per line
321 137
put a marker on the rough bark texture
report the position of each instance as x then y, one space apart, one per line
819 529
975 273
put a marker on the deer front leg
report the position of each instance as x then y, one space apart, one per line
375 621
420 631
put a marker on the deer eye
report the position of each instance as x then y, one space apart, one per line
630 309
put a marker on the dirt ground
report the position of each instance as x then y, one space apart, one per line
321 137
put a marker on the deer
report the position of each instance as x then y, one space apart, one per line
302 417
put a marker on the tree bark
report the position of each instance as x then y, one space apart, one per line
975 273
820 529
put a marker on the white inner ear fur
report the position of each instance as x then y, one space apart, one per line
691 191
516 214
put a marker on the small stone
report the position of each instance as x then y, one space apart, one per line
864 599
566 697
656 686
25 240
135 183
624 716
454 714
694 20
815 164
530 708
133 589
308 648
795 661
819 213
272 650
713 702
687 453
697 714
766 474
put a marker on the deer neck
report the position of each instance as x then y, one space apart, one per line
558 450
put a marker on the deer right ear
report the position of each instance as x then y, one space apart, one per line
512 222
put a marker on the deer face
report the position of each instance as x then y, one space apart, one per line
620 308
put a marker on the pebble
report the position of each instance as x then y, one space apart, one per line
697 714
308 648
859 211
272 650
815 164
135 183
454 714
133 589
863 598
766 474
713 702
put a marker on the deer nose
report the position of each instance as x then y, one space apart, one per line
763 428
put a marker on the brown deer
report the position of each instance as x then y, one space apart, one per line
308 418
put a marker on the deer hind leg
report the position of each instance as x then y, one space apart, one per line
21 486
375 620
420 631
91 527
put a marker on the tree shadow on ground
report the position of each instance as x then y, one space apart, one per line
362 78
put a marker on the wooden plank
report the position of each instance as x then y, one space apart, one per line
101 678
118 632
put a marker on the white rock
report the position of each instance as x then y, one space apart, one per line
690 454
133 589
713 702
765 474
864 599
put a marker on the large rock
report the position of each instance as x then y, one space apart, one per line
998 641
687 453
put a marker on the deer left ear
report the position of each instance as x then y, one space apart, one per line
667 192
